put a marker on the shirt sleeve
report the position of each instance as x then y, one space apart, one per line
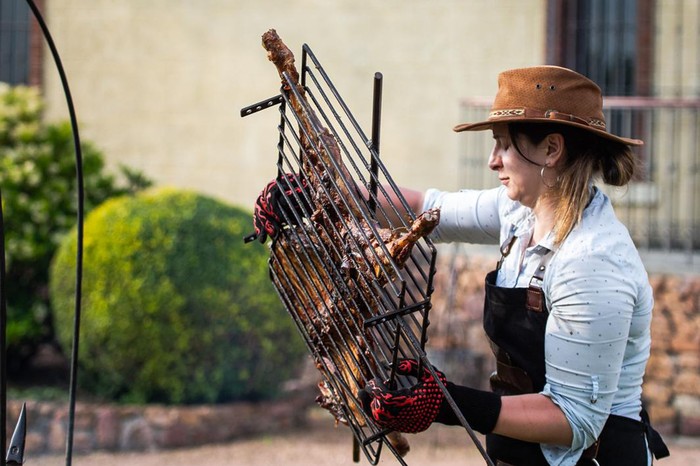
470 216
591 302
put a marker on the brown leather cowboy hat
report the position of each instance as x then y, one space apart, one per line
548 94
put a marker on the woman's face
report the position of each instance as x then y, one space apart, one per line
521 178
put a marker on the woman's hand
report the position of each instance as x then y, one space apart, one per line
407 410
277 202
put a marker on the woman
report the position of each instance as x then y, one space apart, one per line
568 309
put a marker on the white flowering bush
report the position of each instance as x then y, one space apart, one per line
38 185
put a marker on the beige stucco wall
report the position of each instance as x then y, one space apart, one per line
676 33
158 84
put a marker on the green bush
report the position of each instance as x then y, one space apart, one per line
38 185
176 308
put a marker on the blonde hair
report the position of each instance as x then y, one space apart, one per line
587 158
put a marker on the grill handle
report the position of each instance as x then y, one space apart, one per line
376 119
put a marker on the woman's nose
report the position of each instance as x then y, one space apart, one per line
494 160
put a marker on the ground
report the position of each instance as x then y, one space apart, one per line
320 443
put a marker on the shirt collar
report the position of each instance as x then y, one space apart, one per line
522 223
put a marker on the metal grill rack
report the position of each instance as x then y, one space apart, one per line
358 309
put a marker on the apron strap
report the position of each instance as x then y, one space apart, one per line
656 443
506 247
535 295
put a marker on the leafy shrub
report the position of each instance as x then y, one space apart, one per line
176 309
38 183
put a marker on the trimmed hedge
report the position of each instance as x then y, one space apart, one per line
176 308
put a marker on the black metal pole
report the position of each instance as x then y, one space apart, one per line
3 341
80 209
376 125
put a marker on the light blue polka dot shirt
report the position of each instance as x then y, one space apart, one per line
599 298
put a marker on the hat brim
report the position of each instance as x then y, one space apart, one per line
488 124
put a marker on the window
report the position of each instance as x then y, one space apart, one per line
20 43
608 41
613 42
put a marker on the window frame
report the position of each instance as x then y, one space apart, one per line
559 44
13 27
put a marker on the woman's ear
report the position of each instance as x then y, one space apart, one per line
555 149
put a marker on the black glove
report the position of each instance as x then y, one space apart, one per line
407 410
277 203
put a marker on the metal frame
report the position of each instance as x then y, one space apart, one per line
357 312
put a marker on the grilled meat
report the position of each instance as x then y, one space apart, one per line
330 268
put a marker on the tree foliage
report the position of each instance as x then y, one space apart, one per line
38 184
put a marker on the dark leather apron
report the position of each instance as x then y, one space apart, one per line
515 321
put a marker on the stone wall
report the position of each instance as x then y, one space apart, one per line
151 428
672 382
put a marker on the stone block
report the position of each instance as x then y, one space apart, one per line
660 334
689 426
662 414
686 338
689 361
136 435
688 406
84 417
34 443
660 367
83 442
657 392
687 383
107 425
57 435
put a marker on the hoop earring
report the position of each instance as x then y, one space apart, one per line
556 181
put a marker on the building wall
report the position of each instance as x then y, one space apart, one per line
158 84
677 51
